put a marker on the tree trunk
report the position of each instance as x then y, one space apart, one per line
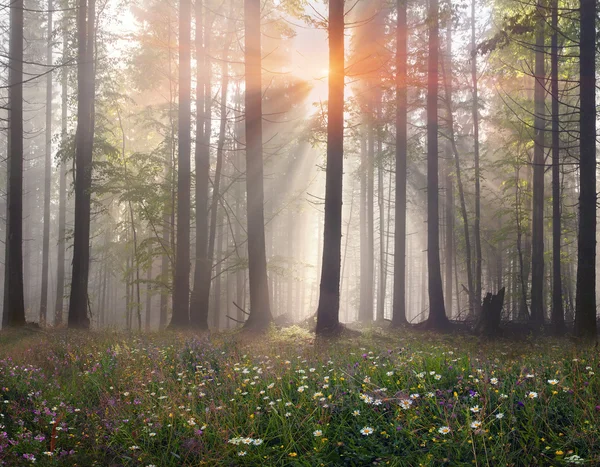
181 282
202 270
585 296
47 175
260 312
437 314
558 316
329 298
476 228
399 306
62 189
84 141
537 256
14 301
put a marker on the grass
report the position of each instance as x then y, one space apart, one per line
399 399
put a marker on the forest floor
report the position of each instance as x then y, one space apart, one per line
384 398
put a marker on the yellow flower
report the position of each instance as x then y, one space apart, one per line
292 454
559 453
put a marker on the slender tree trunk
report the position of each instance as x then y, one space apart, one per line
399 306
449 186
260 311
558 317
585 296
437 314
62 189
47 175
382 232
537 257
181 283
202 270
14 302
364 312
329 298
475 109
148 298
84 142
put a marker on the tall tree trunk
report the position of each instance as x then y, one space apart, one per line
364 311
399 306
449 186
370 271
202 270
84 142
47 175
537 256
148 298
585 296
475 109
329 298
260 312
14 301
181 283
557 316
380 314
62 189
437 314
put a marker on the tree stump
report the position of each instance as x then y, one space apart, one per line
491 314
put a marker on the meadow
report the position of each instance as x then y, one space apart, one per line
384 398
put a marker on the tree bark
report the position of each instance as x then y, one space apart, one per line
260 312
437 315
557 315
84 142
181 282
47 175
14 301
475 109
537 233
585 295
399 305
329 298
62 189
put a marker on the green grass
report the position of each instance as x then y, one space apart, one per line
224 400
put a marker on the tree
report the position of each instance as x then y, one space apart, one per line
437 314
181 282
14 302
585 298
260 311
202 271
62 189
329 297
84 142
558 316
47 174
399 304
537 235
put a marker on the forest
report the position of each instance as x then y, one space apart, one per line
298 232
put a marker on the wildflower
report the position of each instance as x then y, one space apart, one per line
553 382
390 373
559 453
356 413
242 453
317 433
287 415
532 394
476 424
574 459
30 457
48 453
152 435
494 381
293 454
499 415
414 396
366 430
405 404
134 448
430 394
444 430
529 376
257 442
475 409
437 377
